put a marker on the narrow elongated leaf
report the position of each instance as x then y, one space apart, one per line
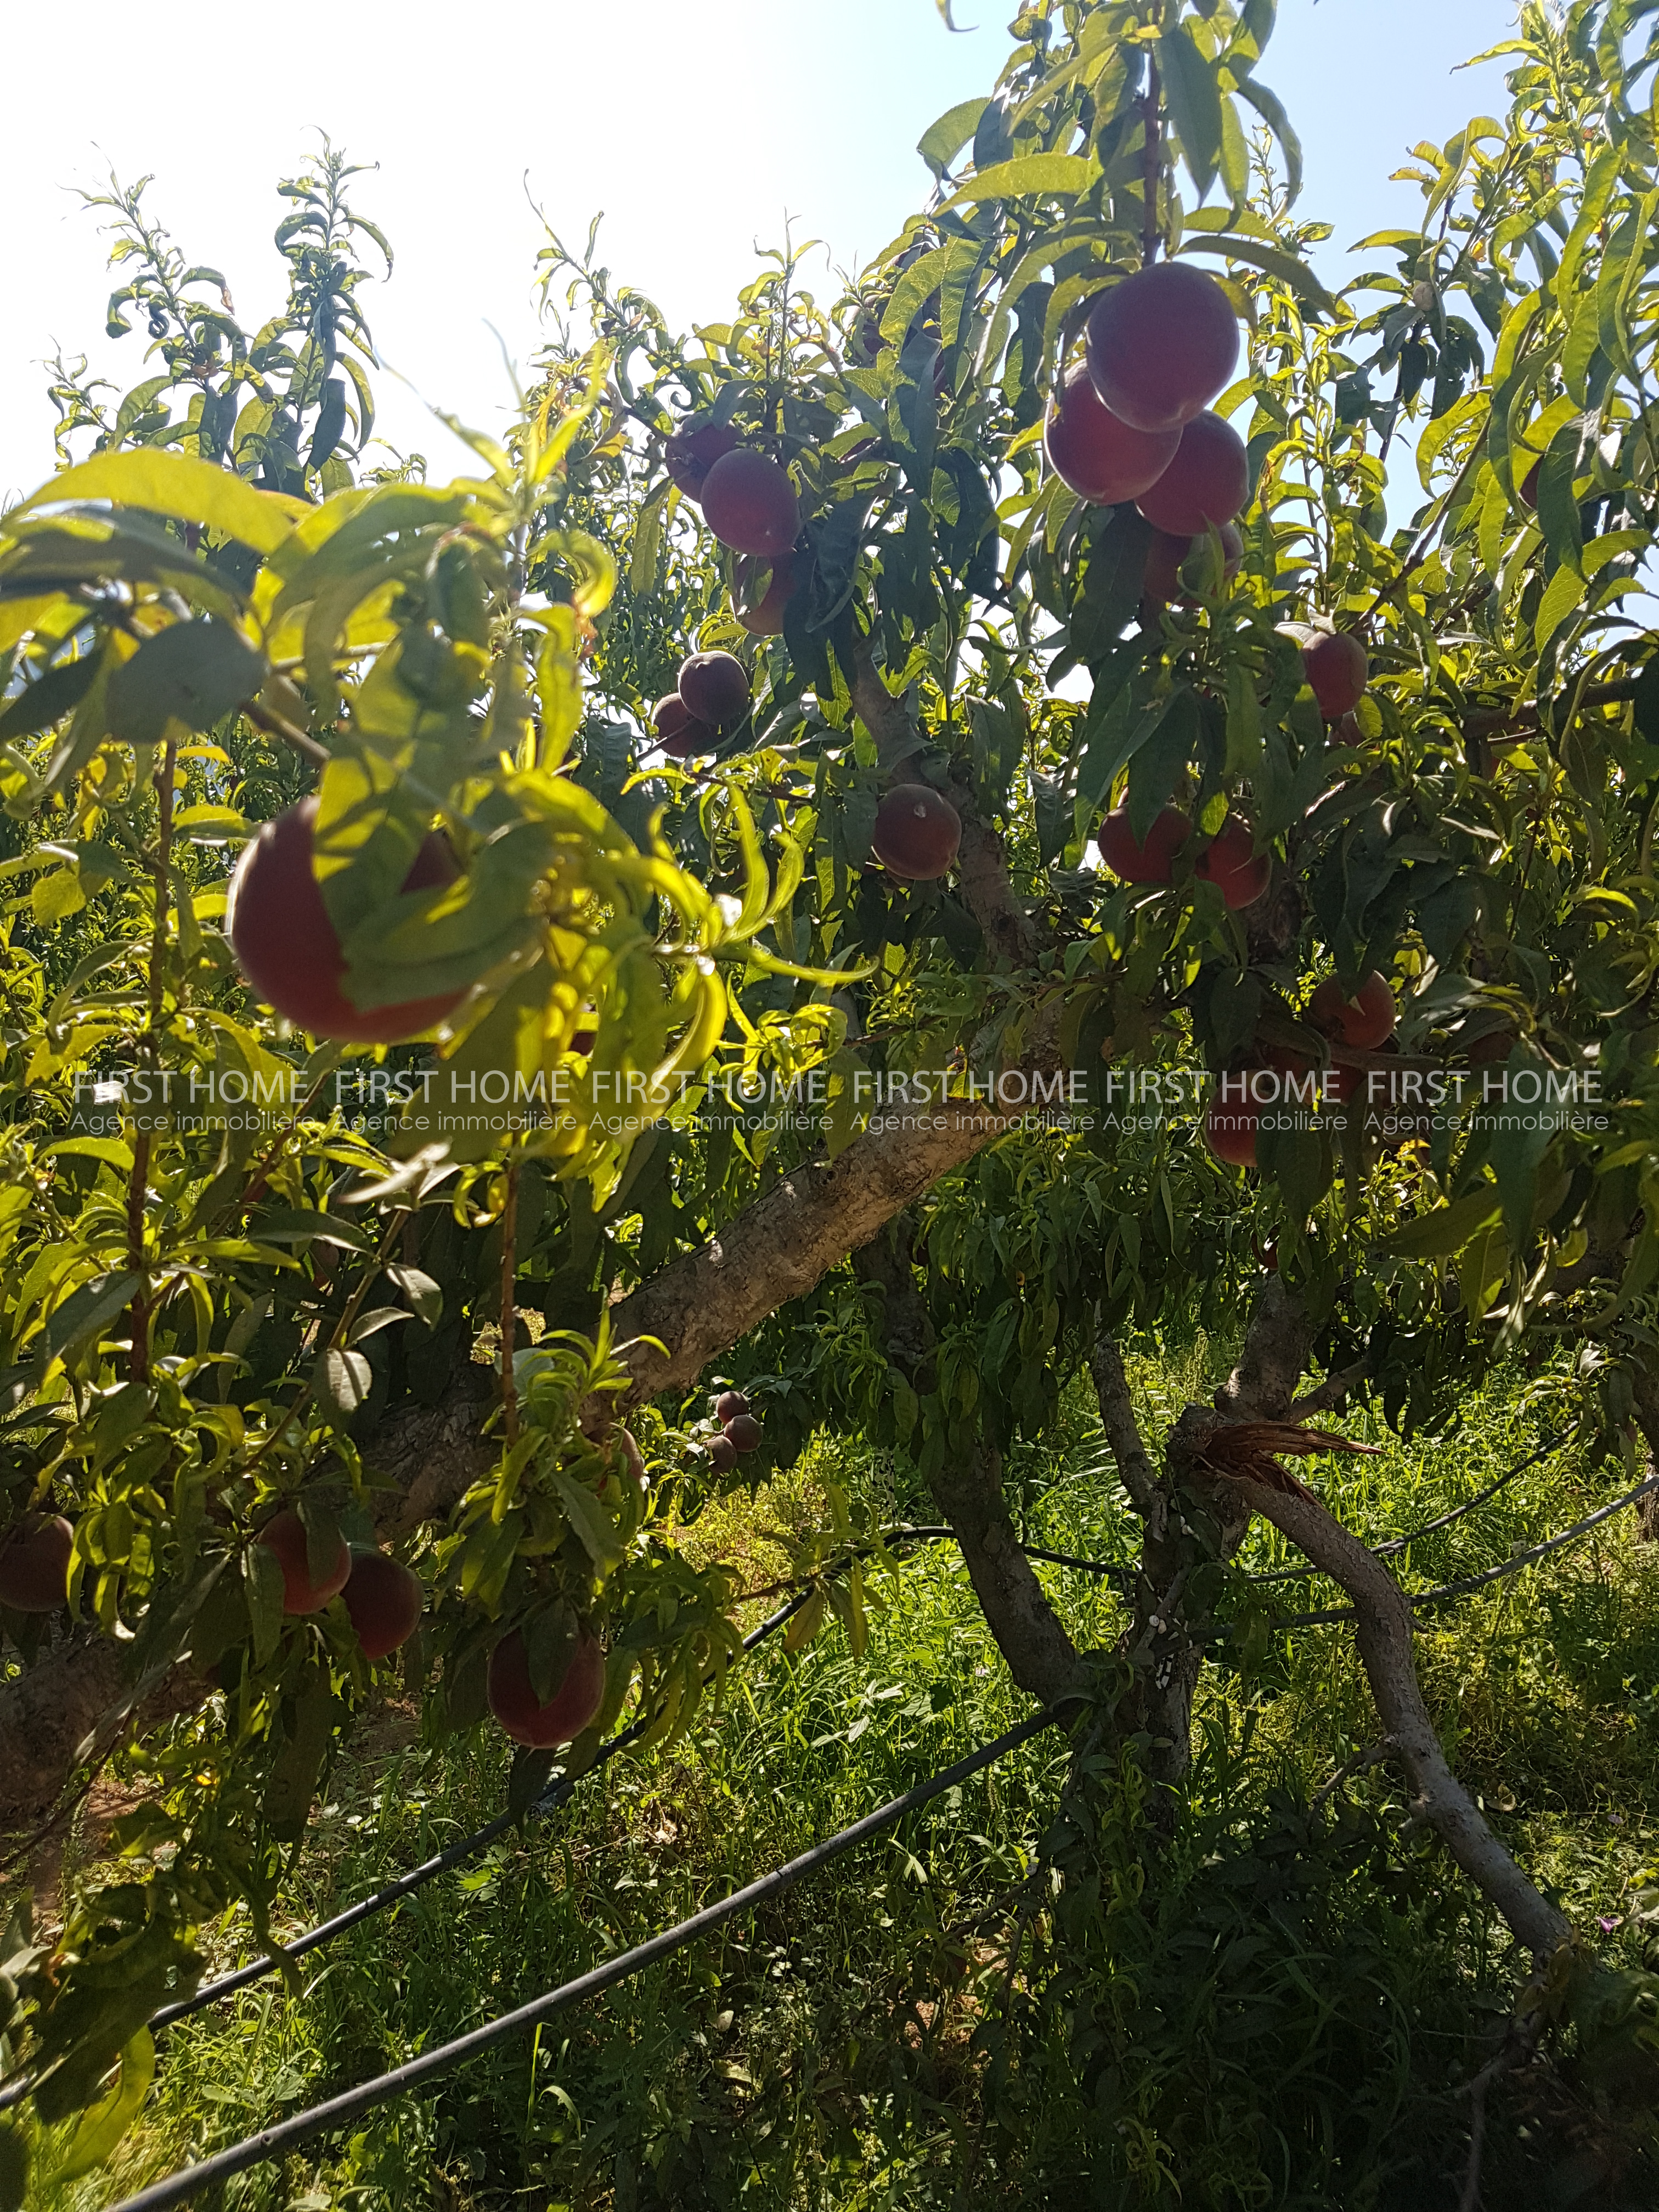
181 487
47 700
1062 176
101 2127
1268 106
943 141
1195 98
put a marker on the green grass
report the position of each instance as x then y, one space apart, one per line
1282 2021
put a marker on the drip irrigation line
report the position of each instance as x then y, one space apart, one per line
276 2141
1444 1520
1444 1592
1103 1568
557 1794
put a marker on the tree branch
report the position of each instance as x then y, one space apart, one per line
1262 1386
1383 1632
1134 1466
788 1239
1041 1656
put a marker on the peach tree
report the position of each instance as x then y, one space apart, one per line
819 870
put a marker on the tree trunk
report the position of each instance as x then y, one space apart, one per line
1041 1656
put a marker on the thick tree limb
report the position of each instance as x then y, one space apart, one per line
789 1238
1262 1387
1384 1635
1334 1393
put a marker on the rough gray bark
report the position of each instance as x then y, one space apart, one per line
1029 1633
1177 1533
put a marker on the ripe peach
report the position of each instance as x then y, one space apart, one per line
1230 1131
285 1535
744 1433
729 1405
1231 863
1207 481
689 454
917 833
1364 1022
714 687
1152 862
722 1454
680 733
1161 345
569 1709
764 616
1095 455
385 1600
34 1563
286 946
749 503
1335 665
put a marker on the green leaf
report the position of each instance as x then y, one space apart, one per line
943 141
591 1523
191 672
99 2130
91 1308
342 1380
178 485
1268 106
1062 176
1268 258
294 1773
1195 98
263 1585
47 700
424 1295
14 2167
1446 1229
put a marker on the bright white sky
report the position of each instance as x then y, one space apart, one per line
695 125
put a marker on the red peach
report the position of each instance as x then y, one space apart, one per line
285 1535
1161 345
1232 864
1363 1022
1150 862
1094 454
714 687
34 1563
570 1709
286 945
1207 481
917 833
749 503
690 453
385 1600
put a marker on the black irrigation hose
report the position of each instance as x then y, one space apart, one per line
392 1892
1444 1592
288 2135
1444 1520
